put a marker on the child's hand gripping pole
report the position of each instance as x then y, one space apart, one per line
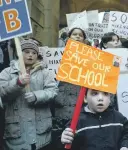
21 61
77 112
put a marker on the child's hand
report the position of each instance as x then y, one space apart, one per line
24 79
67 136
124 148
30 97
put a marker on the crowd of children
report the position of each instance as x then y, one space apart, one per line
28 117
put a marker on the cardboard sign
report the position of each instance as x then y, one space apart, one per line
52 57
96 30
89 67
92 16
122 94
123 53
118 23
122 88
101 16
80 21
14 19
70 18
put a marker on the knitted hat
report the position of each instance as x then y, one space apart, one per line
29 44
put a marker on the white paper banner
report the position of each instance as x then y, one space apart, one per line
122 88
96 30
70 18
80 21
92 16
118 23
52 57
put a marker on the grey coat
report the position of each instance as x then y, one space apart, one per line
66 100
25 124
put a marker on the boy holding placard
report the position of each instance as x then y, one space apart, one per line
99 127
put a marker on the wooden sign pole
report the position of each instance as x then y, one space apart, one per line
21 60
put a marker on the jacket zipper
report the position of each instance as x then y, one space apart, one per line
100 121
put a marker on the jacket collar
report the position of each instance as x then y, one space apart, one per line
85 109
16 69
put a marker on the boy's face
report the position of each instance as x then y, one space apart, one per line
97 101
30 56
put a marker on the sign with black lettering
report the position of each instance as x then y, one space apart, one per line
118 23
52 57
96 30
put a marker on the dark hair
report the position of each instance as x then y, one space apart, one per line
125 44
64 35
87 42
70 32
86 92
40 57
107 38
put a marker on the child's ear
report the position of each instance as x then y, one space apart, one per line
85 101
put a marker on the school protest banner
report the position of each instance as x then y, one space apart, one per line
89 67
80 21
122 88
15 22
52 57
70 18
101 16
92 16
122 94
96 30
118 23
123 53
14 19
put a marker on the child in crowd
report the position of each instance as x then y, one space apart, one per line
28 121
99 127
65 101
110 40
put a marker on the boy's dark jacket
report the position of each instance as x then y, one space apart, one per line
101 131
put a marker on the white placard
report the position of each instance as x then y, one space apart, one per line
101 15
96 30
122 52
122 94
92 16
80 21
122 88
118 23
70 18
52 58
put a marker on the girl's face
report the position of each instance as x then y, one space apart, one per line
77 35
114 42
30 57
